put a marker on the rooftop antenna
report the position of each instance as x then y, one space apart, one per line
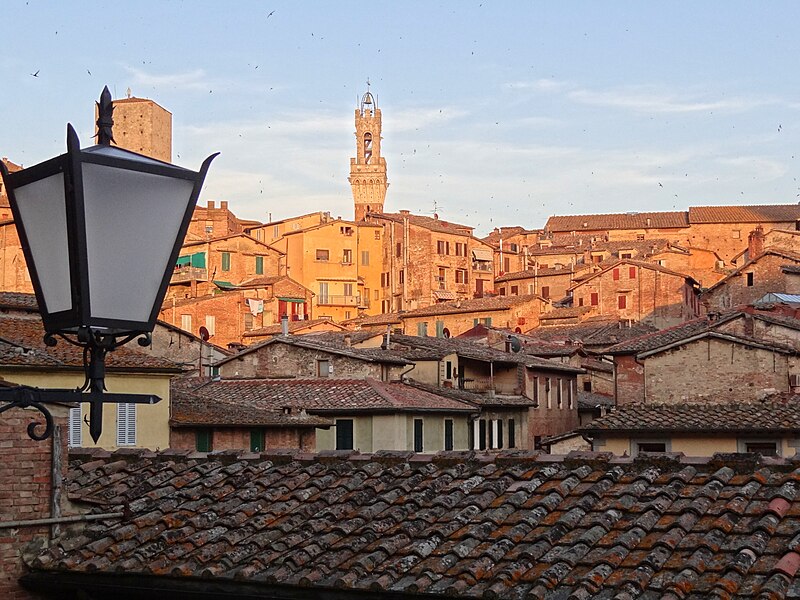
129 93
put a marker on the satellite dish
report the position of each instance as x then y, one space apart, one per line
516 345
204 335
446 332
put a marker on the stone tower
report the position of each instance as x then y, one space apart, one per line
141 125
368 168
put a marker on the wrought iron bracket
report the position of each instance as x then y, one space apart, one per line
96 344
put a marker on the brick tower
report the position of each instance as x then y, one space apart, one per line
368 168
141 125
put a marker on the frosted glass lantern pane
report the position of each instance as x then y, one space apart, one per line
44 216
132 222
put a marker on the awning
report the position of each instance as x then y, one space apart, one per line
482 254
444 295
224 285
297 300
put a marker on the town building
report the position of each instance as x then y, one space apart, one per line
760 275
294 328
551 283
5 207
639 291
769 428
448 319
142 126
274 232
703 359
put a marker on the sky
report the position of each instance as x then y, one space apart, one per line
494 113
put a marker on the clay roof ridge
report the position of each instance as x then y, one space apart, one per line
768 251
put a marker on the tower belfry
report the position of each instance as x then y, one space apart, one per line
368 168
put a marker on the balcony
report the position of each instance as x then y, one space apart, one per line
481 265
440 283
186 273
337 300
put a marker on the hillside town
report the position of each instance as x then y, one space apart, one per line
455 367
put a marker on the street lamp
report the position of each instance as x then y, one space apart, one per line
101 229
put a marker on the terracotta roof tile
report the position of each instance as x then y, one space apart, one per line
509 526
765 213
471 305
657 220
701 417
431 223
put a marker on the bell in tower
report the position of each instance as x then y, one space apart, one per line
368 168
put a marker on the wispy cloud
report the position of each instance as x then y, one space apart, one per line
646 99
196 79
540 85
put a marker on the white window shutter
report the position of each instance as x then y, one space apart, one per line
126 424
75 431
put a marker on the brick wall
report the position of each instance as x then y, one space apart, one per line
238 438
628 380
753 282
25 493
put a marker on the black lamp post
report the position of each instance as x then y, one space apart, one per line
101 229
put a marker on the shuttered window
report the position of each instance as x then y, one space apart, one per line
344 434
226 261
256 440
126 424
75 432
512 439
448 434
259 265
203 440
417 435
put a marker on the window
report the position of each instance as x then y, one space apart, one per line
365 258
258 234
461 276
348 289
762 447
377 234
515 290
559 399
547 395
570 393
649 447
211 324
622 301
346 230
248 321
448 370
367 148
402 276
499 423
399 250
441 247
639 237
615 274
126 424
631 272
736 234
482 434
580 301
323 368
506 264
226 261
625 255
587 386
347 256
512 434
377 295
323 292
439 329
422 329
490 429
75 439
502 291
513 248
594 299
203 440
257 440
259 265
448 434
461 249
322 255
276 231
546 292
750 278
535 392
186 322
344 434
417 435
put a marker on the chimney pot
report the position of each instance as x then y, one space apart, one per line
284 325
211 204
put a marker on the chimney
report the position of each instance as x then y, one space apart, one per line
211 204
755 242
648 221
405 212
388 340
224 205
284 325
348 340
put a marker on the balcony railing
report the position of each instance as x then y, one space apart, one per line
481 265
485 384
338 300
183 274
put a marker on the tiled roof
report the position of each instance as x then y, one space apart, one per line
328 395
18 301
546 272
394 525
374 320
608 265
591 333
471 305
668 220
794 269
294 326
230 236
376 355
591 400
768 252
504 233
21 344
766 213
482 400
566 312
709 419
431 223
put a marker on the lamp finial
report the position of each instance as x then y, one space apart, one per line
105 121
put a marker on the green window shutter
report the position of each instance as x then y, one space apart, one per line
226 261
474 322
199 260
259 265
203 440
439 329
344 434
256 440
422 329
184 261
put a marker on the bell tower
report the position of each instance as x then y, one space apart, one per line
368 168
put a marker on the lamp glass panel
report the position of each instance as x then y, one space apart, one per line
132 223
43 213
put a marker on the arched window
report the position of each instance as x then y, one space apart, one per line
367 147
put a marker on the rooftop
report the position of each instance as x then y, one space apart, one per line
472 305
644 220
397 525
432 223
765 213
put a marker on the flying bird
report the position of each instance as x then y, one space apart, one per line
270 14
35 74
